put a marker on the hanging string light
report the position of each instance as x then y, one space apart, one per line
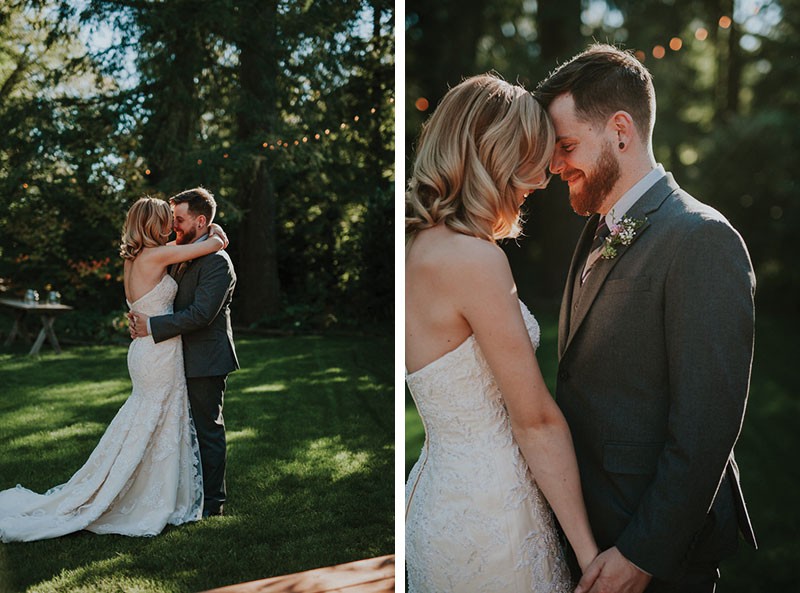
659 51
280 143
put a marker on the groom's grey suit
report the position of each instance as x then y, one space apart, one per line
202 318
655 350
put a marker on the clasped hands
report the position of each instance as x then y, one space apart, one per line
611 572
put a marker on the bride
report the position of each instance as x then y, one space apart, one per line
495 440
145 472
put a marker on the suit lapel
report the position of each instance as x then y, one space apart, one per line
575 267
647 204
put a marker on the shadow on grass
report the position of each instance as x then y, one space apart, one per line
310 472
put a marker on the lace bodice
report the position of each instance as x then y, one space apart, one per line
475 520
158 301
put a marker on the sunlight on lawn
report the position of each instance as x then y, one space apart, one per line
265 388
234 436
329 455
38 439
82 390
329 375
103 575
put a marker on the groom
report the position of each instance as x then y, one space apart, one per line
202 317
655 340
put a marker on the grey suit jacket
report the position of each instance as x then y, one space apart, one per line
202 317
655 351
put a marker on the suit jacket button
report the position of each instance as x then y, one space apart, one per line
563 375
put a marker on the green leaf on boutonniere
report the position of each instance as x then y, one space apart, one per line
622 233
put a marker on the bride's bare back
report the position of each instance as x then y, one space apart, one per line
435 289
140 276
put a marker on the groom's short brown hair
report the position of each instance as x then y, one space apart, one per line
603 80
199 200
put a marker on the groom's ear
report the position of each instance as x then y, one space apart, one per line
622 126
202 221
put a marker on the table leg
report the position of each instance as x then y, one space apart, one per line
18 329
51 334
46 332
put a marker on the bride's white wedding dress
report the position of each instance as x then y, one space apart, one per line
475 519
144 473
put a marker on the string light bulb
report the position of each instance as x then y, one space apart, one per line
281 144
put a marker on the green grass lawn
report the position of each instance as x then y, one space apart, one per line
310 466
766 453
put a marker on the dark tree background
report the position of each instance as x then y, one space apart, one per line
283 109
727 77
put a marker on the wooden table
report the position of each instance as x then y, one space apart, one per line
374 575
47 313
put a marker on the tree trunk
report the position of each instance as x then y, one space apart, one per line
259 286
725 39
559 29
541 264
461 23
734 70
171 131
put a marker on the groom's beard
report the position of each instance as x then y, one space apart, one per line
186 238
596 185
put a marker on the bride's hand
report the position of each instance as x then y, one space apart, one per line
215 230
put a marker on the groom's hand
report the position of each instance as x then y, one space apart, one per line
612 572
137 324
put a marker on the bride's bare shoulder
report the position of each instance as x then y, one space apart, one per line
443 253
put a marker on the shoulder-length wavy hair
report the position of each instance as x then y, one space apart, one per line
148 224
471 156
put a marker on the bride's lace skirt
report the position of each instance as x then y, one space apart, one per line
144 473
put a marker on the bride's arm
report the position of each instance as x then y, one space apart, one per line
487 298
172 253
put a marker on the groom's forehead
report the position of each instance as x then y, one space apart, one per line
181 209
562 109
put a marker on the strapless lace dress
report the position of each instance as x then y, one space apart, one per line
475 519
144 473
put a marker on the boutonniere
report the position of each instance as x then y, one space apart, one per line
621 233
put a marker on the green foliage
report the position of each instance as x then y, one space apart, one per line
310 466
114 100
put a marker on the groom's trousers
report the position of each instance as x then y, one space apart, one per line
206 395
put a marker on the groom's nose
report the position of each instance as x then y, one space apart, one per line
556 165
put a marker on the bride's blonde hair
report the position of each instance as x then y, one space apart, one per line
471 153
147 224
